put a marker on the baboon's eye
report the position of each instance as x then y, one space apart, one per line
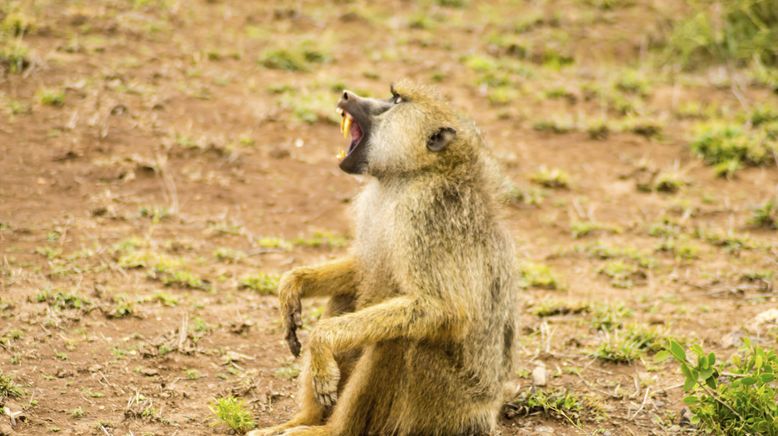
397 99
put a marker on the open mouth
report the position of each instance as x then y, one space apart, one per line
349 127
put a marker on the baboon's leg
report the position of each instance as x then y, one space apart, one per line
311 412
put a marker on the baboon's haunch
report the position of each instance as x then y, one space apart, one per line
418 331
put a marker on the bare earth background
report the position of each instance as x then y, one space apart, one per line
162 161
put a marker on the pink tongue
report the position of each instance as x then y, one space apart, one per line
356 132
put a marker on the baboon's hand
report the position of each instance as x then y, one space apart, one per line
289 290
326 375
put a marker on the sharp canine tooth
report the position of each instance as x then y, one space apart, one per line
341 154
342 123
347 125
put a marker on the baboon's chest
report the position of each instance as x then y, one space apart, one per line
376 245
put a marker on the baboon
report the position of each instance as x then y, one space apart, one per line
417 336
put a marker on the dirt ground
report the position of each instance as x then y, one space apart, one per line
145 214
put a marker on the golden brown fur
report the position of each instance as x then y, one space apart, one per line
417 337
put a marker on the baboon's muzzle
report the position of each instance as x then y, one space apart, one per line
358 117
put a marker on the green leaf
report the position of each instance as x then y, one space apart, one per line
691 399
758 361
689 384
711 359
748 381
711 382
767 378
662 356
706 373
677 351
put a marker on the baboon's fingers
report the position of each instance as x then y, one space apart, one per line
291 339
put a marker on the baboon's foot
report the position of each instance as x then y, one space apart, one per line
307 430
280 429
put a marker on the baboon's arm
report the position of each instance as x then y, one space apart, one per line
413 317
338 277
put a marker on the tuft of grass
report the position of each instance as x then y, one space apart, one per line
557 404
9 388
580 229
726 31
234 413
63 301
321 239
262 283
729 241
556 125
559 307
680 248
669 182
766 215
228 255
608 318
299 57
14 57
617 348
730 146
51 97
536 275
551 178
623 274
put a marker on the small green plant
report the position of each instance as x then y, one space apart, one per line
680 248
228 255
623 274
9 388
558 125
536 275
122 308
608 318
733 398
557 404
262 283
726 31
551 178
234 413
63 301
730 146
580 229
76 413
297 57
51 97
668 182
617 348
319 239
557 307
766 215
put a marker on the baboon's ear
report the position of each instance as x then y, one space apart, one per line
439 140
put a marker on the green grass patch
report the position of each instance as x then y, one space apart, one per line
557 404
728 146
726 31
551 178
261 283
766 215
51 97
559 307
537 275
294 57
9 388
234 413
321 239
580 229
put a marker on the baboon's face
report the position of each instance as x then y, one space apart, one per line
412 130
